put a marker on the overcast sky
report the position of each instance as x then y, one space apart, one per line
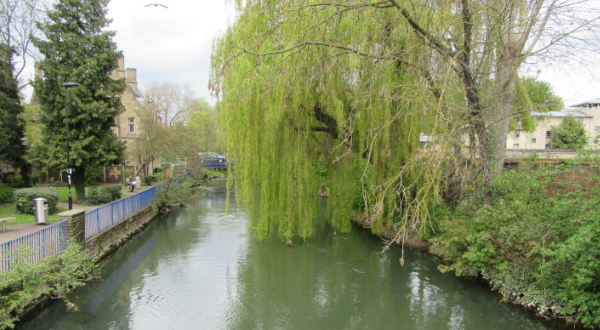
169 45
175 44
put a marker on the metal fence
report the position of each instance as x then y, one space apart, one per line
105 216
35 246
52 239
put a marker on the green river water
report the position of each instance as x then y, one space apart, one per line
200 268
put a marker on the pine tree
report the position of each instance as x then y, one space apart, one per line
12 125
77 48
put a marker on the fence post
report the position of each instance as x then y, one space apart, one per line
75 224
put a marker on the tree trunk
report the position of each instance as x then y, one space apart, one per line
79 183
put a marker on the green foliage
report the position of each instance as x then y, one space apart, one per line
24 199
35 179
578 281
15 181
570 134
6 194
78 48
538 241
174 192
102 195
321 120
12 125
55 276
94 174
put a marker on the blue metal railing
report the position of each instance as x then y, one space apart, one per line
98 219
35 246
52 240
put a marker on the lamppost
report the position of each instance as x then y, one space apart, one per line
68 85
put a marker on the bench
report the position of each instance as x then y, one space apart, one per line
4 220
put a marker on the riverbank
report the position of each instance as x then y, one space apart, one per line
410 240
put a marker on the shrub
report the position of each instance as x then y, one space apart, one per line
15 181
6 194
24 199
102 195
35 179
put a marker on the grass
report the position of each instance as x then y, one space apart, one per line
10 210
63 193
218 174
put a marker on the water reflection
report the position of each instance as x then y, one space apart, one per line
199 268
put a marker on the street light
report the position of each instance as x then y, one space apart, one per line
68 85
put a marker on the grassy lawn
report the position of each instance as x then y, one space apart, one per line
10 210
63 193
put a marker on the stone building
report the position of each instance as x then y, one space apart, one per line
127 124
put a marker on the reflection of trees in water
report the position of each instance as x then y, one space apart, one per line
335 282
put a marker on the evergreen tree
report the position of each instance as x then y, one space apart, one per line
570 134
77 48
12 125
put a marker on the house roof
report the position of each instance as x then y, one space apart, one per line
561 114
591 103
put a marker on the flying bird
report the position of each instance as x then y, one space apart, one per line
156 5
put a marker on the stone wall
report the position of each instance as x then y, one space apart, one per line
110 239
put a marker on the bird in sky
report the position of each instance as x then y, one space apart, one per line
156 5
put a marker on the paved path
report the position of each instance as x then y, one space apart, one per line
16 231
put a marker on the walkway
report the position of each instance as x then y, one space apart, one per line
16 231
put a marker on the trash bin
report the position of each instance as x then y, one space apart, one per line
138 182
41 211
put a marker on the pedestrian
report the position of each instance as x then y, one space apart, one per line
130 182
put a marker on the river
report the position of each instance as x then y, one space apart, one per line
200 268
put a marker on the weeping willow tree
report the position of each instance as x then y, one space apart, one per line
336 95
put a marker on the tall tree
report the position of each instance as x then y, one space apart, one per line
78 48
307 84
12 124
532 95
170 102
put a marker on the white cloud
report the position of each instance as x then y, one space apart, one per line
171 44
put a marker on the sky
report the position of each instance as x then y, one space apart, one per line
169 44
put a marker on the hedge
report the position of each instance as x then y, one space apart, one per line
102 195
24 199
6 195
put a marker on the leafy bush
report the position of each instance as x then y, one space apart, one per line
102 195
24 199
149 179
15 181
539 242
6 194
54 276
35 179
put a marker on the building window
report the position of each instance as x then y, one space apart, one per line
533 140
596 128
548 134
517 133
516 146
131 125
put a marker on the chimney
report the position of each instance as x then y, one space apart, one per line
119 73
131 78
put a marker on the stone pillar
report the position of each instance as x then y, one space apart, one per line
75 224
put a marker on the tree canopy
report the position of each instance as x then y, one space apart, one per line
77 47
12 125
570 134
337 96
